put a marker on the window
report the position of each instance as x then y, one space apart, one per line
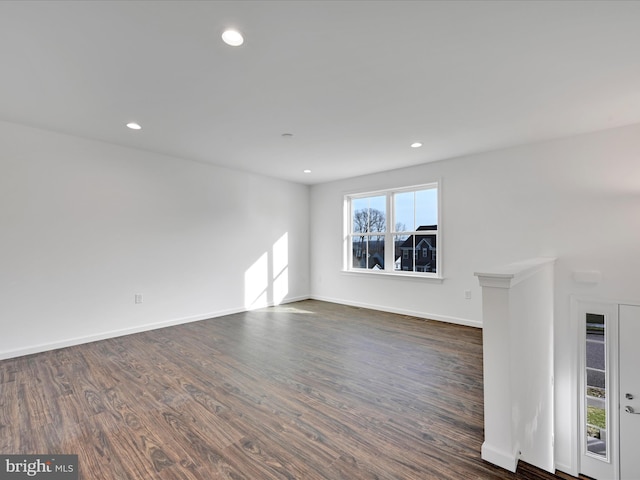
387 231
596 427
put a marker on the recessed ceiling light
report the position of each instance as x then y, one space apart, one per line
306 171
134 126
416 145
232 38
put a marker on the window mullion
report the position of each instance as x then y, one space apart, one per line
389 250
415 234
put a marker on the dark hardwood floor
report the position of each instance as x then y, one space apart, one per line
309 390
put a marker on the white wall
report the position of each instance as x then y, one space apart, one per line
85 225
577 199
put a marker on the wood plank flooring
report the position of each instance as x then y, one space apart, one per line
309 390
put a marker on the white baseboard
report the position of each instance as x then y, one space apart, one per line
402 311
506 460
19 352
568 469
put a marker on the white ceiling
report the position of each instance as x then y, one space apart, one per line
355 82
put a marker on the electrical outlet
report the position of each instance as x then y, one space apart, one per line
138 298
467 294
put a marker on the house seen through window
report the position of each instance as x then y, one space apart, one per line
394 231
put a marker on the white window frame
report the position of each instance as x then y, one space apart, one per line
389 233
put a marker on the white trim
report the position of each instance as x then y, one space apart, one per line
506 460
581 298
440 237
44 347
365 192
401 311
568 469
512 274
396 273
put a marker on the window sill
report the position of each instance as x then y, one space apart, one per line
405 275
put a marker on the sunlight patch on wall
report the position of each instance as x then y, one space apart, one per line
256 283
281 269
267 280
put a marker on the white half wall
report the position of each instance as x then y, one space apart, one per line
577 199
86 225
517 340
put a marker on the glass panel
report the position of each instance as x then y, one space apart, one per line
377 214
376 252
360 214
596 388
426 207
404 206
415 209
369 214
426 248
359 249
404 260
368 252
